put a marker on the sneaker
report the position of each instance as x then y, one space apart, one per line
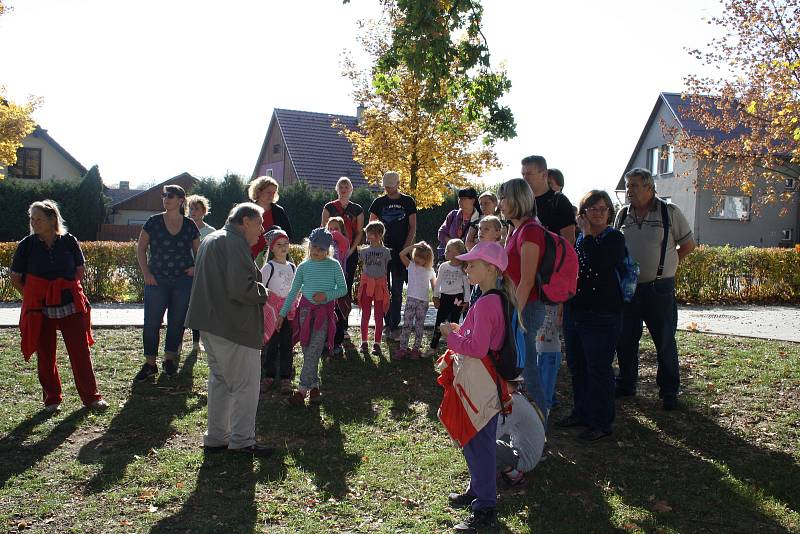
256 449
365 347
476 520
315 396
415 354
170 367
266 383
296 399
460 500
52 408
376 349
146 372
400 353
592 434
99 405
570 421
513 480
286 386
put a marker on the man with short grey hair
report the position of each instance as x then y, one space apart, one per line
226 305
658 237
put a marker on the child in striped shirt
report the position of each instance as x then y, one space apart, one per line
320 280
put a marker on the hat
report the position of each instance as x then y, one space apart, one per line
320 238
274 235
468 192
488 251
391 179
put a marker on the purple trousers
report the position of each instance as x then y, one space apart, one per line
480 453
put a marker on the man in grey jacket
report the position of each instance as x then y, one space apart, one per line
226 306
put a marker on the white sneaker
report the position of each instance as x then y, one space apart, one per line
52 408
99 405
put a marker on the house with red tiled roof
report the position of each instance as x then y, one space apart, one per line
306 146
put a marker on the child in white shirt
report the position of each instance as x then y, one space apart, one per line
418 259
451 292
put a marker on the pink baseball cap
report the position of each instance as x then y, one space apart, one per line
488 251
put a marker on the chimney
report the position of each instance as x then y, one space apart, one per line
360 112
125 185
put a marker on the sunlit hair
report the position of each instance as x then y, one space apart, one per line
180 192
519 198
248 210
375 228
199 200
592 197
424 252
391 179
259 184
538 161
344 179
49 208
339 223
644 175
493 198
457 246
495 222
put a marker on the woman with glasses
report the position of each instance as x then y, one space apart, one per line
166 249
593 318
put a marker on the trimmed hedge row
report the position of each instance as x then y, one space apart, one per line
709 275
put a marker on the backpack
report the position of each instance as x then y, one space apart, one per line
627 271
557 275
272 271
349 222
509 361
665 223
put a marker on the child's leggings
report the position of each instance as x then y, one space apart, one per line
448 310
366 310
414 317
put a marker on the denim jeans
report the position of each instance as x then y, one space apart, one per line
590 340
171 296
397 276
533 317
549 363
654 303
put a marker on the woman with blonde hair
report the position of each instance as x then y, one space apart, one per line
264 192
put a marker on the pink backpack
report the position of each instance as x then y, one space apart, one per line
557 275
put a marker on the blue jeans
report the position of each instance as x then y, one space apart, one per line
654 303
397 276
171 296
549 363
590 340
533 317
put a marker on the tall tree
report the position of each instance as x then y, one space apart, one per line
750 112
441 44
433 151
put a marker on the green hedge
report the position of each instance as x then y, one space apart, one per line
709 275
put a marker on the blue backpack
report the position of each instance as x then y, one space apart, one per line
627 271
509 361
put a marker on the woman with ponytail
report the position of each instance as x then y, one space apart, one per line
172 240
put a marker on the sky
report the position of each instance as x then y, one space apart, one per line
147 90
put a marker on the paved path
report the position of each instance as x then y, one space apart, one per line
767 322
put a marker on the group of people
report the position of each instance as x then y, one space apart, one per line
244 299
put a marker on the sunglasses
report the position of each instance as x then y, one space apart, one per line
170 195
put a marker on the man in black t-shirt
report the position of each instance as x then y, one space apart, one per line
398 212
554 210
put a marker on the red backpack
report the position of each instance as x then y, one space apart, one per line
557 275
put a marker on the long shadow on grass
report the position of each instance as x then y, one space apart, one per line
224 499
17 459
144 423
648 466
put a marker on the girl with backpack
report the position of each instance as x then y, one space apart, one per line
593 319
469 372
524 247
278 275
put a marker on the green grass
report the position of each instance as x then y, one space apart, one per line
374 457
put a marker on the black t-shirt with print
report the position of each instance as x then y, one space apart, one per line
394 214
349 214
170 255
59 261
554 211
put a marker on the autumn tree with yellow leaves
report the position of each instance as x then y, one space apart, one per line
15 122
433 149
750 134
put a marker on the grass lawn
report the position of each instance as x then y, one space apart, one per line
374 457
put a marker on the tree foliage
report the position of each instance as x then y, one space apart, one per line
15 124
750 112
441 44
433 151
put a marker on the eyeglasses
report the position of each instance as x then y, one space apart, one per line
597 209
170 195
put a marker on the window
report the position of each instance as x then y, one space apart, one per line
730 207
269 172
665 160
789 184
787 234
652 160
276 148
29 164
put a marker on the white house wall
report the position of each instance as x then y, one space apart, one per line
54 165
126 217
